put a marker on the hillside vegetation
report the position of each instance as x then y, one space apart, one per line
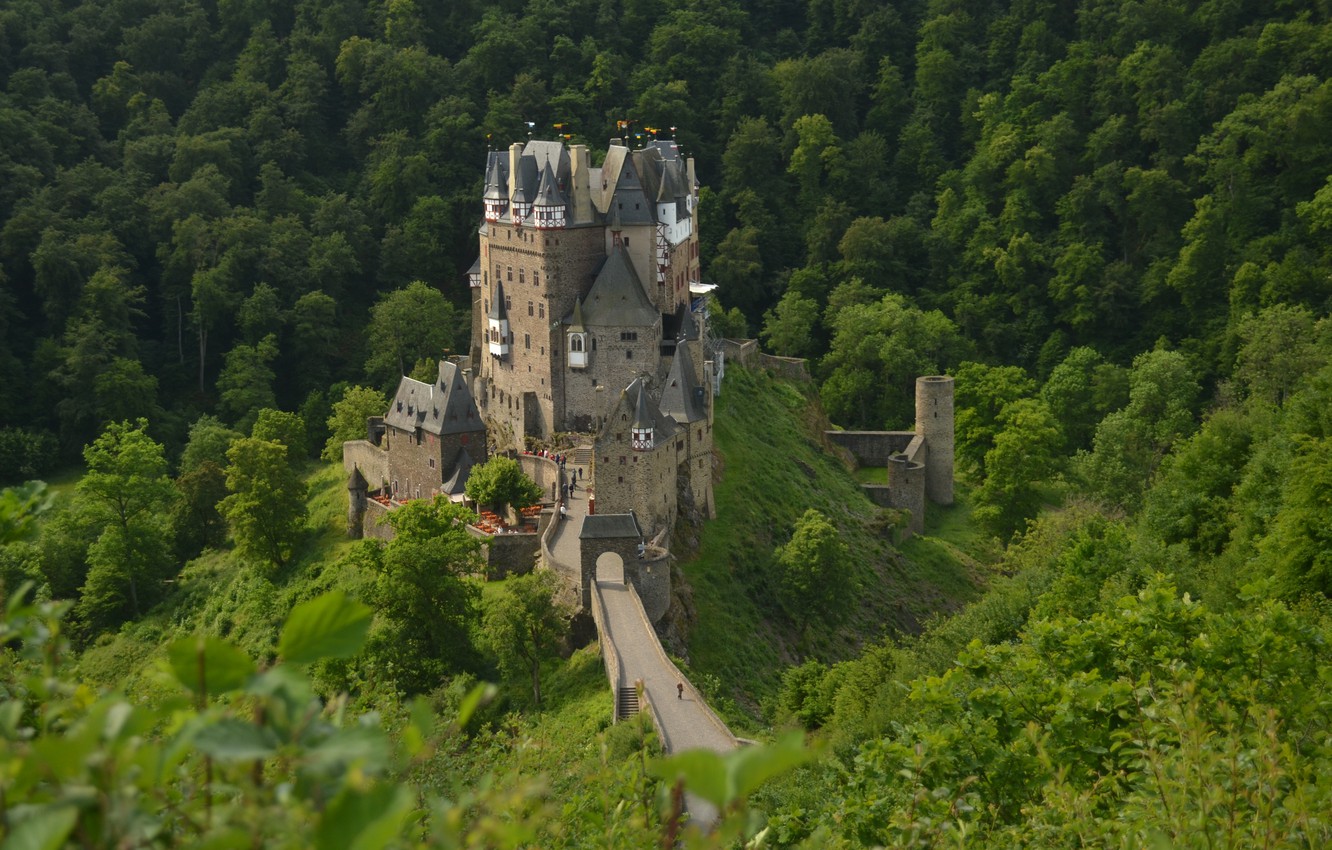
773 465
226 228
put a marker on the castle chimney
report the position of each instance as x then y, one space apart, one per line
515 154
581 191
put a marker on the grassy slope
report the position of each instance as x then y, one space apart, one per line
775 465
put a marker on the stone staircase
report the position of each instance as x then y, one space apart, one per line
626 702
582 456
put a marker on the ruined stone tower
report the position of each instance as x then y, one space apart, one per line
934 422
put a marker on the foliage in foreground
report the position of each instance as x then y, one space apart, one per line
242 756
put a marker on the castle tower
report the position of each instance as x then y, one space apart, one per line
641 429
356 502
934 422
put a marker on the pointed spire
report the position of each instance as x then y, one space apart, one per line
497 310
642 416
577 325
549 195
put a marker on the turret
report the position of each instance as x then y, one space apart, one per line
641 431
934 422
550 207
357 496
496 198
497 324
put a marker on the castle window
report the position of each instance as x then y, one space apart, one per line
541 310
530 308
629 354
621 460
626 239
635 458
508 303
497 272
431 461
527 343
509 269
628 336
605 459
621 479
522 275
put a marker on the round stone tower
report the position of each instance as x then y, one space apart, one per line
934 422
357 496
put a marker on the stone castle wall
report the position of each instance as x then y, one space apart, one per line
871 448
367 457
639 481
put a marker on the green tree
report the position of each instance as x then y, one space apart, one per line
816 572
1024 454
1080 391
246 382
878 350
500 481
424 586
407 324
1130 442
524 624
127 492
348 419
282 427
208 443
983 392
266 506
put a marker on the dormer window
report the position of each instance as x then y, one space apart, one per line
577 351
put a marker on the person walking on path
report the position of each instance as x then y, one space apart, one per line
679 690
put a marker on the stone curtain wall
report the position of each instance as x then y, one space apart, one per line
369 458
791 368
507 554
871 448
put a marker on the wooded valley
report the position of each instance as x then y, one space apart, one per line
228 228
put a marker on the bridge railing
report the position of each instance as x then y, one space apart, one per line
609 655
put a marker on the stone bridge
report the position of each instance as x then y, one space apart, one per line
635 661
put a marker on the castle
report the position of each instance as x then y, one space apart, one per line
583 319
584 333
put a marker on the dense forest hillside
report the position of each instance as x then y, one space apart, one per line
227 228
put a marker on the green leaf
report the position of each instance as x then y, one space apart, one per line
364 820
481 695
330 626
45 829
367 746
236 740
750 767
209 665
703 772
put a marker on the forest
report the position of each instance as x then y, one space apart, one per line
227 228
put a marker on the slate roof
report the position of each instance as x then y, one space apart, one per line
549 195
576 322
602 526
497 309
444 407
462 468
356 481
681 399
629 199
636 401
617 297
497 177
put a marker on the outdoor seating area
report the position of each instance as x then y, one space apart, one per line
492 523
